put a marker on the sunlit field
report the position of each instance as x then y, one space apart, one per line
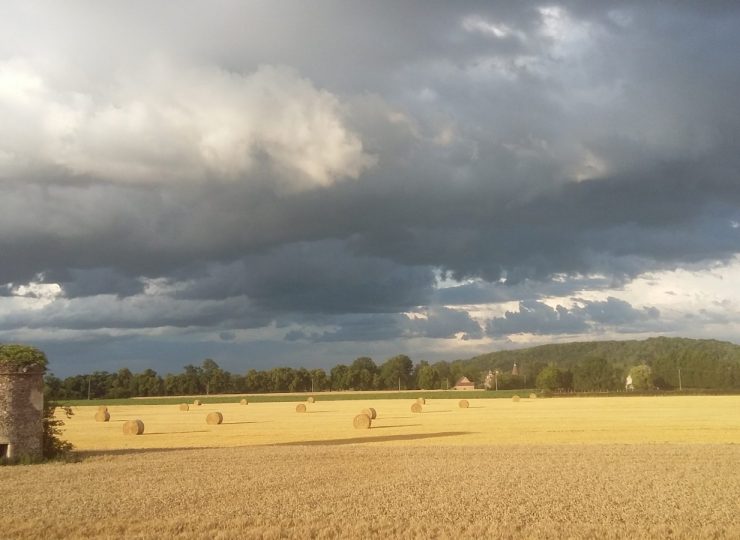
685 419
548 468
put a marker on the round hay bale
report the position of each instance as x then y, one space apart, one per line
102 416
197 402
184 407
102 408
244 402
311 399
372 413
421 401
300 408
133 427
416 408
515 398
463 404
362 421
214 418
533 396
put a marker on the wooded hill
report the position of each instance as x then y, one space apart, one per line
703 363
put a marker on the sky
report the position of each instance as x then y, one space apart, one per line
303 183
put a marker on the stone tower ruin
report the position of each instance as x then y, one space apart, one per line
21 406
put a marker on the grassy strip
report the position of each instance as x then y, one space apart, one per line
365 396
320 396
652 393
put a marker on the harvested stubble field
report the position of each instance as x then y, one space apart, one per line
606 467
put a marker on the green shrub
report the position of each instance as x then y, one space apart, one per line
17 356
54 447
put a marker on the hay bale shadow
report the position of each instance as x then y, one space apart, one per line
397 426
174 432
371 439
85 454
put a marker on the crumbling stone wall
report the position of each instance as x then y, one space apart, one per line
21 411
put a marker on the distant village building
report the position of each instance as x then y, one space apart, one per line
515 370
490 380
464 384
628 383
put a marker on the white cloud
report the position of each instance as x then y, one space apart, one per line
29 297
565 31
173 123
698 302
477 24
43 292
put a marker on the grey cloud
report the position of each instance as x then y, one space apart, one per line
481 292
141 312
227 336
536 317
445 323
613 311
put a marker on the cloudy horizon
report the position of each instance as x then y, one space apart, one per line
303 184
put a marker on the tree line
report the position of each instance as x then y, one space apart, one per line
397 372
656 363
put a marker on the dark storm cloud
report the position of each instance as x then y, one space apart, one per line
591 227
316 277
365 327
608 226
93 281
289 164
435 323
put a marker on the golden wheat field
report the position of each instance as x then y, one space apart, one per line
686 419
639 467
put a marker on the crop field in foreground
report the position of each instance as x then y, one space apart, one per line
363 491
566 468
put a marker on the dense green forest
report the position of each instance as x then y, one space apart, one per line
656 363
701 363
